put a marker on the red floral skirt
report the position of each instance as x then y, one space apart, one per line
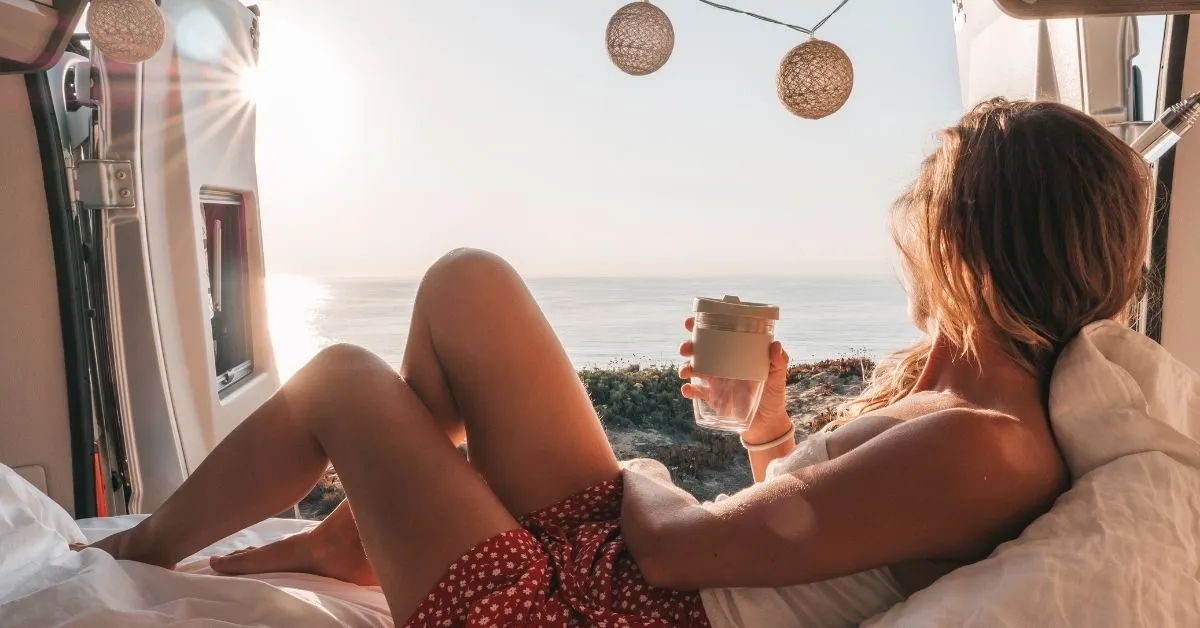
566 566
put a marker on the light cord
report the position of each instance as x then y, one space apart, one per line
807 31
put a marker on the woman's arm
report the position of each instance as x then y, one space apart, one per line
761 459
937 487
771 420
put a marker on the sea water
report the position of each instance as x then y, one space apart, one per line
602 322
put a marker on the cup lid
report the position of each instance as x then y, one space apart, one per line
733 306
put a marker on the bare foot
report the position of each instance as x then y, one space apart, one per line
131 544
334 556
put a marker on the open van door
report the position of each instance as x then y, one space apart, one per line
133 317
184 264
1080 53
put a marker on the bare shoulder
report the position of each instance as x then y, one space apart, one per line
984 453
1000 433
1004 436
979 423
1000 451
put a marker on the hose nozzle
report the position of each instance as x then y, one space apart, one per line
1168 129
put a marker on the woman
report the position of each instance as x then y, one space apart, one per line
1029 222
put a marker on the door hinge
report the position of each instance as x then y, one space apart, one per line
104 184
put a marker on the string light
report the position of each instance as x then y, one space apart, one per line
814 79
640 38
129 31
801 29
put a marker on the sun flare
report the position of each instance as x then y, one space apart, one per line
249 83
293 305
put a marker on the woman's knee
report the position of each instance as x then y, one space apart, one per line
466 266
468 281
345 380
336 378
341 361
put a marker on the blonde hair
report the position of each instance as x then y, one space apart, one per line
1030 221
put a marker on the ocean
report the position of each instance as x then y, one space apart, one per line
602 322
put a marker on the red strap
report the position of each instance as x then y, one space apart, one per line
101 502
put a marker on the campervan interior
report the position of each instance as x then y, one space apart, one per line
133 322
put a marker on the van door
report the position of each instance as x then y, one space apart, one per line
184 260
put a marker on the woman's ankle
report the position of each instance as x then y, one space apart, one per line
143 543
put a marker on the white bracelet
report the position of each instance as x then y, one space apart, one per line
790 435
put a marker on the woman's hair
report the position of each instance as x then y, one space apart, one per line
1029 222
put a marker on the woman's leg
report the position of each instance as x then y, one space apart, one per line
483 359
418 505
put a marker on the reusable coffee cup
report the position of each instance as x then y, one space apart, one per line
731 355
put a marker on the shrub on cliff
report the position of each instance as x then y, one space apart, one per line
641 398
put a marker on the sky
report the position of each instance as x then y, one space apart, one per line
390 132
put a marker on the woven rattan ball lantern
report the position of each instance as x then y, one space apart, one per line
640 38
129 31
815 79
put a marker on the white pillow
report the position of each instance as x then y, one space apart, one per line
22 504
1119 549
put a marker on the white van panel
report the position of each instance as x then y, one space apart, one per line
1181 289
1021 59
191 129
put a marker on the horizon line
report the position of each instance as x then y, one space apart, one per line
537 276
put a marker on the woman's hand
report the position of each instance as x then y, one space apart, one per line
771 418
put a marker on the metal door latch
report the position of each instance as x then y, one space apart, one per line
104 184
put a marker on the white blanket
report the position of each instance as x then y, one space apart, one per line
1122 547
44 584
